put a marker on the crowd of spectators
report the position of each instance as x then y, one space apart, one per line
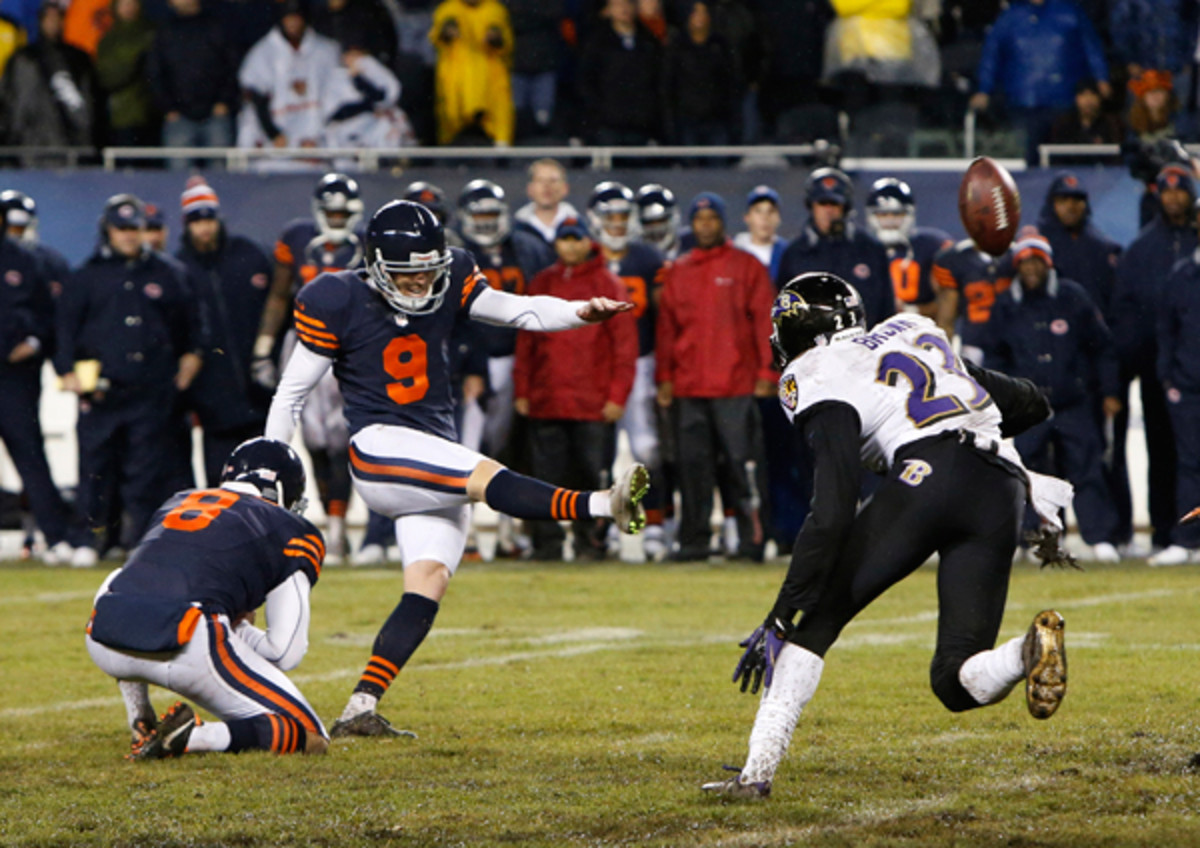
157 337
386 73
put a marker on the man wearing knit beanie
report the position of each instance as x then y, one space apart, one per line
230 274
1049 330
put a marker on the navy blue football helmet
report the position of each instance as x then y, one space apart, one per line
609 200
658 215
19 211
829 184
406 238
272 467
890 196
809 310
483 213
337 194
429 196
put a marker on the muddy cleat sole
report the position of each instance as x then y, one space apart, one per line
171 736
732 787
1045 657
369 723
626 499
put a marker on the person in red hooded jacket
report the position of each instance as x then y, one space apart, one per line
713 359
573 386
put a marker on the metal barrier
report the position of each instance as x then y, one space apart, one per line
368 160
1046 152
41 156
748 157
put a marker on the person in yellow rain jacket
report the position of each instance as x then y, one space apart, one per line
474 41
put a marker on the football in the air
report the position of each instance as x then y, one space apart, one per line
989 205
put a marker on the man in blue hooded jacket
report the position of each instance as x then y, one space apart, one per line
1036 53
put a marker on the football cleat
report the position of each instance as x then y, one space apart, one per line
1045 658
171 736
733 787
626 499
369 723
141 732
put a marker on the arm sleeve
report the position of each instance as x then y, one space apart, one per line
832 430
989 60
664 334
304 370
285 641
262 110
541 313
1020 402
71 308
1168 332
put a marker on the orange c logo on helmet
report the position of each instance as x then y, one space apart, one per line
1071 182
829 182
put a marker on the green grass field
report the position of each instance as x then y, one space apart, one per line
582 706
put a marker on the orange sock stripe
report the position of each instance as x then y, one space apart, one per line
654 516
274 731
375 679
558 504
385 664
380 672
574 506
337 509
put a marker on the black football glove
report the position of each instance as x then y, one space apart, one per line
1046 544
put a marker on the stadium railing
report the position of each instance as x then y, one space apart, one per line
238 159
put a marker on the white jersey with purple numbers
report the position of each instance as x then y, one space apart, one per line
904 380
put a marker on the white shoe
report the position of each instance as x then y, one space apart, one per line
369 555
1133 550
84 557
59 554
1105 552
654 542
1173 555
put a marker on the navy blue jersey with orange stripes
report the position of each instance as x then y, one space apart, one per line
308 254
392 368
223 549
978 278
639 270
509 266
911 265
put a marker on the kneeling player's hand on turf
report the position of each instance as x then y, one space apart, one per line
602 308
757 665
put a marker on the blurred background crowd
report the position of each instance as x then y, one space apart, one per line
878 77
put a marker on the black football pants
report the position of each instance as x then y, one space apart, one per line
959 502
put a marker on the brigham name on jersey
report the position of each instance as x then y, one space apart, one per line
917 386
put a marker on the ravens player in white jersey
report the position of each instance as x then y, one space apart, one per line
897 399
384 331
